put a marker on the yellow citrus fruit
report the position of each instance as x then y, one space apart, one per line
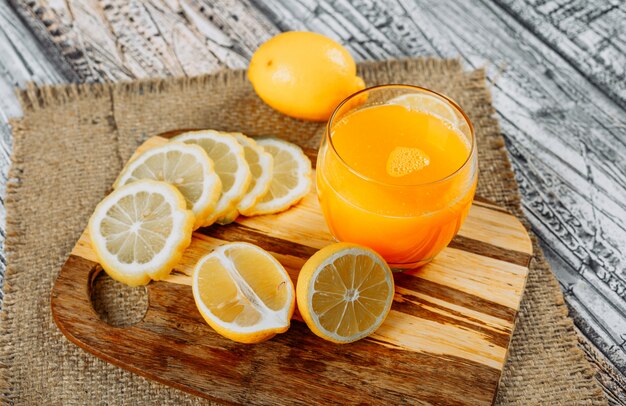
344 292
229 163
243 292
303 74
291 178
185 166
405 160
140 230
261 166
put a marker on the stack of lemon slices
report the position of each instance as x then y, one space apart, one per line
140 231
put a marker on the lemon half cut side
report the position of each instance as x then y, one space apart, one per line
243 292
344 292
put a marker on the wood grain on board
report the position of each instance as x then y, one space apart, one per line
557 69
445 339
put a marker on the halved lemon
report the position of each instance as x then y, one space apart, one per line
291 179
186 166
344 292
229 163
243 292
140 230
428 104
261 167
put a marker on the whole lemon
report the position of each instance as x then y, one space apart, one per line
303 74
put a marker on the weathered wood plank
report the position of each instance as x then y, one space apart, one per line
591 35
22 61
120 40
612 382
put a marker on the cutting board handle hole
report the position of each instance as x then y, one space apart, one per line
117 304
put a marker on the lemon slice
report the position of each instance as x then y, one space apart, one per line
291 179
261 167
406 160
344 292
230 164
243 292
428 104
140 230
185 166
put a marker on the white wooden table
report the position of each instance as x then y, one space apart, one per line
557 70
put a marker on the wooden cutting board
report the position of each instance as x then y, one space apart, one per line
444 342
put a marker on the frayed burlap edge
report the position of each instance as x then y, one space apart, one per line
35 97
14 232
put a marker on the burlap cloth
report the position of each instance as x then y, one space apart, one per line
72 142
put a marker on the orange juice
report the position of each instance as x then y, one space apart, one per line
396 179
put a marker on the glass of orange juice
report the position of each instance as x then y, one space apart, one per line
397 171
